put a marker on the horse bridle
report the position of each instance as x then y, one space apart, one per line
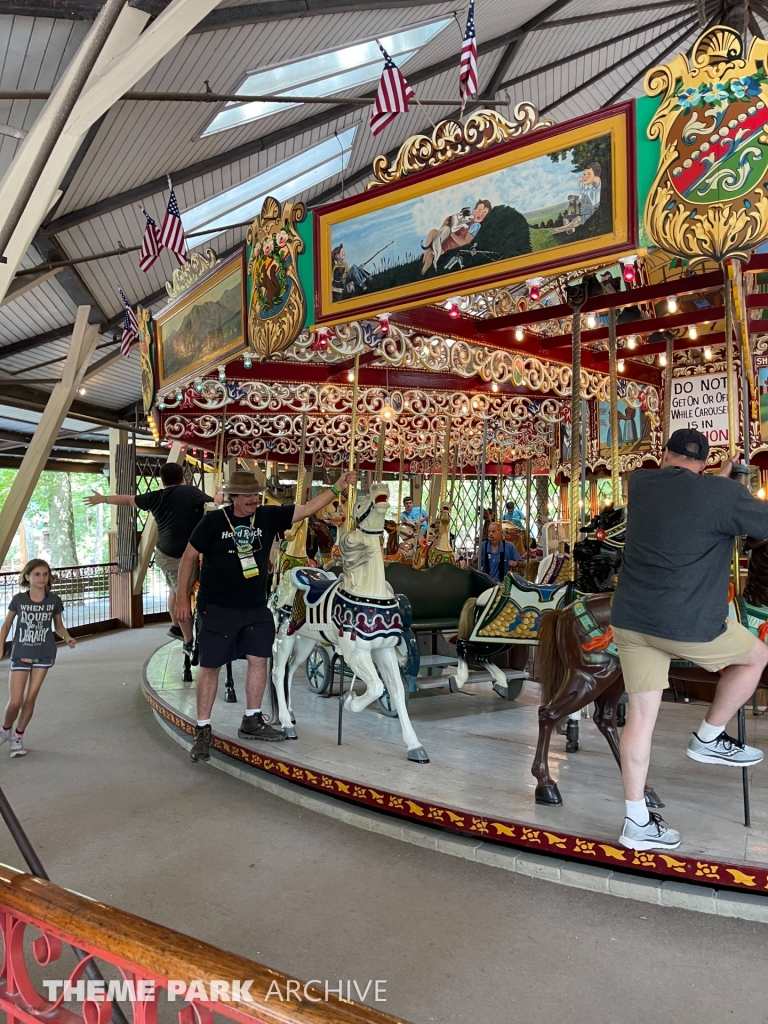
361 519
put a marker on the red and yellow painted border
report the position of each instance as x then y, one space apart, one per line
468 823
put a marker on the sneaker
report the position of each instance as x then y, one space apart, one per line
201 747
5 734
653 836
724 749
254 727
189 646
17 746
175 632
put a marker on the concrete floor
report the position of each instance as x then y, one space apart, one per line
117 812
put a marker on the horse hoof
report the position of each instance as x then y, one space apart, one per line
502 691
549 794
652 798
187 676
289 733
230 697
293 719
419 755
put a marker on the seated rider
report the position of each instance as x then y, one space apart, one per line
497 556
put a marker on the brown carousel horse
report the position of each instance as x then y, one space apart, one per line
578 664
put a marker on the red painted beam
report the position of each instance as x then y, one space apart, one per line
759 300
602 303
654 348
340 370
758 326
436 320
663 323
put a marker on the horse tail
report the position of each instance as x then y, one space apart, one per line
551 670
467 619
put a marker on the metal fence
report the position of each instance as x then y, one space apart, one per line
84 590
155 591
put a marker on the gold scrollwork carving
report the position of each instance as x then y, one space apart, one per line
708 200
144 318
452 139
277 306
197 265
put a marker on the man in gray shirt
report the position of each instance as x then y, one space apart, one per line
672 602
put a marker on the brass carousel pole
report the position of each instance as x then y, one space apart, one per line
732 435
352 433
380 452
575 475
528 482
400 481
670 361
613 398
446 461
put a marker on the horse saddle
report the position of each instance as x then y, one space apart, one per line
314 582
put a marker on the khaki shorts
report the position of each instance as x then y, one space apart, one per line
170 569
645 659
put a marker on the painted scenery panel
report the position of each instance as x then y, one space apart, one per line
539 204
206 329
635 426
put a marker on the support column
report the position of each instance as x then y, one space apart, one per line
84 338
149 535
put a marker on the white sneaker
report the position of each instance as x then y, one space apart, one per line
5 734
723 749
653 836
17 746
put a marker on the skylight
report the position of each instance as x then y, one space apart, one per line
322 75
284 180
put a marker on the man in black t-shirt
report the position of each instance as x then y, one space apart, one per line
235 542
177 508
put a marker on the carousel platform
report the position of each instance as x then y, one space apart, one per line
478 782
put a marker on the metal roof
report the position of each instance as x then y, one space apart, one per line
600 50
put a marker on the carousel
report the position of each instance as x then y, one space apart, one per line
509 319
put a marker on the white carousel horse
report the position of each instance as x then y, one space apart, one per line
357 613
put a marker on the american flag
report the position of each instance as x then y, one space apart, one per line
130 326
392 96
150 244
172 231
468 69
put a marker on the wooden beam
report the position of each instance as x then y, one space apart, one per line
54 465
84 338
672 322
18 396
657 347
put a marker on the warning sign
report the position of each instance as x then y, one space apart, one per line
701 403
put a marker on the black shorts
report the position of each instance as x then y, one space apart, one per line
227 634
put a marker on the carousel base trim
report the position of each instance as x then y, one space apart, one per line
519 846
576 875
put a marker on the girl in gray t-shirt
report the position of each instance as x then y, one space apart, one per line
38 611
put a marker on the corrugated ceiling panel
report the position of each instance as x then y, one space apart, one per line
37 311
33 55
116 386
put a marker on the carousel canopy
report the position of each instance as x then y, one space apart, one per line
568 57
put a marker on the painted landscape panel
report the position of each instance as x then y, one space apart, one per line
529 207
206 329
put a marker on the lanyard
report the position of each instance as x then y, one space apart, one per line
244 549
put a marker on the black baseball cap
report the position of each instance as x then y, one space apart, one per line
690 443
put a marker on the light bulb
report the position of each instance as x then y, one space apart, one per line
222 373
662 360
591 321
672 304
519 334
761 493
629 273
387 413
692 332
179 395
161 405
581 503
384 323
707 353
620 366
199 385
350 375
454 312
494 386
81 391
247 361
534 293
631 343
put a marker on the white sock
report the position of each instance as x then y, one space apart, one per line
252 711
707 732
202 722
3 729
637 810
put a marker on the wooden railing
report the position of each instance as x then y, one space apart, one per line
147 957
